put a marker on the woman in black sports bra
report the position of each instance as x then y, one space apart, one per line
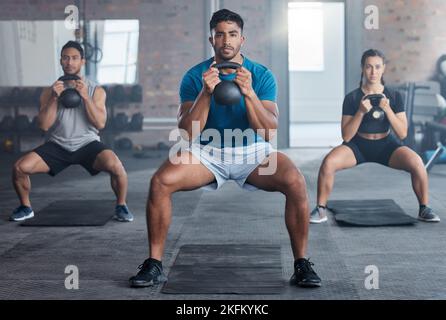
367 139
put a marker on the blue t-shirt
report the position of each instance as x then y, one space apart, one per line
229 117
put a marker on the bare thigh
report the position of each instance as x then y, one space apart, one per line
186 173
277 181
106 160
341 157
406 159
31 163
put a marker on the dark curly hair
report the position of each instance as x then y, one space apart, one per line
225 15
75 45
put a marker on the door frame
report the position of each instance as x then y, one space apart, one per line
353 14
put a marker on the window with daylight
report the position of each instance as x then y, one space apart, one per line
306 36
120 52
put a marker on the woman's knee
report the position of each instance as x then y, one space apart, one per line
415 164
329 165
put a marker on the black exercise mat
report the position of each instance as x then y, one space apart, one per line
73 213
226 269
369 213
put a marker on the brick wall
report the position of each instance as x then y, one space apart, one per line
412 34
171 41
255 14
173 36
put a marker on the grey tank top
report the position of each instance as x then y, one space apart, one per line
72 130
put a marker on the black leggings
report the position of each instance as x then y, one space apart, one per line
378 151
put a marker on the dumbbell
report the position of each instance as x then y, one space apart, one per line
137 121
120 121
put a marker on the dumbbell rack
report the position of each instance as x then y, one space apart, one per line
109 133
15 102
118 97
16 135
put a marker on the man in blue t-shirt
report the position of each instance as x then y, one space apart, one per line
227 142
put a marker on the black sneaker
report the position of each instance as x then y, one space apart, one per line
150 273
304 274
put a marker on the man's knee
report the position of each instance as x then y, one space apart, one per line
160 184
116 168
22 167
294 182
111 164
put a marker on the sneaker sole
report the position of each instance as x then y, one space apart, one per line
429 220
319 221
29 216
122 220
161 279
308 285
304 284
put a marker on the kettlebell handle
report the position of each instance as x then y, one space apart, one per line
69 77
374 99
374 96
227 65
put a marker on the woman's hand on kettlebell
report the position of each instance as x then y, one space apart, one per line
365 105
384 104
211 79
244 81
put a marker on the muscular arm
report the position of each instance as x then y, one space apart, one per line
48 109
191 111
262 115
95 108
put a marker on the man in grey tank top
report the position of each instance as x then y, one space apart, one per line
72 138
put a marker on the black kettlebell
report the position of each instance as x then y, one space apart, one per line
227 92
70 97
376 113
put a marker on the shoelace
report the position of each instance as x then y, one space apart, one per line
425 211
306 266
145 265
123 208
19 209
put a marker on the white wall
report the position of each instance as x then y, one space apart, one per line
10 58
31 52
318 96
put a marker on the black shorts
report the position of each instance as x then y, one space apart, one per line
378 151
57 158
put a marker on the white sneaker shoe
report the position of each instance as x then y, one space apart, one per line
428 215
318 215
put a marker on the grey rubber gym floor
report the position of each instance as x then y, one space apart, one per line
410 259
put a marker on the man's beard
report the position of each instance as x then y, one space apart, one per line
71 72
227 58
